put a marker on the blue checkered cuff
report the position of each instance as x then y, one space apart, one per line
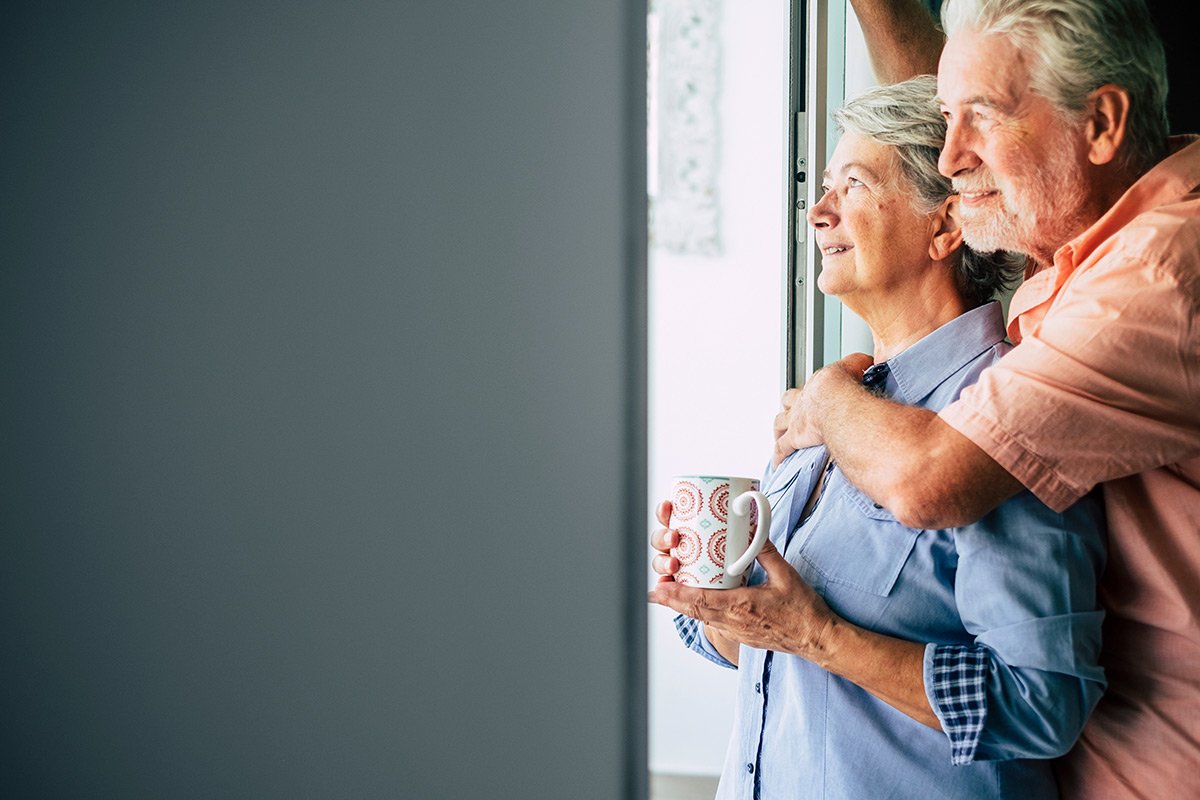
956 681
691 631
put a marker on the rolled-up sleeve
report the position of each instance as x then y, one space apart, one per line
691 633
956 683
1026 588
1105 386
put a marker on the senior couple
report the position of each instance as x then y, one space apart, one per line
944 612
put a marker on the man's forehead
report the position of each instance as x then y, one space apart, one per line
977 69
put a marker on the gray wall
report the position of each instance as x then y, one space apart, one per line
322 432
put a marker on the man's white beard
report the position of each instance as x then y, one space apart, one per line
991 229
1039 219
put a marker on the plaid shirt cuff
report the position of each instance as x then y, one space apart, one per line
956 683
691 631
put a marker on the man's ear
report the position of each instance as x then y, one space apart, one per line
947 233
1107 119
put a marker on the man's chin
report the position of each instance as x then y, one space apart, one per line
987 235
985 243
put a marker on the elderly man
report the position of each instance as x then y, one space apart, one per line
1057 144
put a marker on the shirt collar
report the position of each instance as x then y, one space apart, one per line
922 367
1171 180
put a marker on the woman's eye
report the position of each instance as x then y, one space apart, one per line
853 182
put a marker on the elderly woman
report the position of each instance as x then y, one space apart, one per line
878 661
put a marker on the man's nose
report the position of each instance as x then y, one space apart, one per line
958 153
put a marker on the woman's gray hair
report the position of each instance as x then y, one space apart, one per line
906 116
1078 46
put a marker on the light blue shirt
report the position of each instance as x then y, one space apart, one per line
1007 605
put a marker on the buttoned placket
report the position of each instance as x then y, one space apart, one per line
762 689
874 379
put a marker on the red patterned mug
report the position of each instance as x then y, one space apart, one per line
723 523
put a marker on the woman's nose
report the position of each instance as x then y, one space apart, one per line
821 214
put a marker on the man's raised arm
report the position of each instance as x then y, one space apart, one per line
901 37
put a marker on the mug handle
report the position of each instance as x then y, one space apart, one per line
741 507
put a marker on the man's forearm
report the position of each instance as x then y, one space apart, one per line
904 457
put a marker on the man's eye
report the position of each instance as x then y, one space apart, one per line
854 182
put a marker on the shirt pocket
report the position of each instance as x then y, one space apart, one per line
856 543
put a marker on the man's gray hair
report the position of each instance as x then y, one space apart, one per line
906 116
1078 46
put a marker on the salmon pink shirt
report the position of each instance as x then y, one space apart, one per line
1103 387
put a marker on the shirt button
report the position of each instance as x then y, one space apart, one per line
750 768
878 506
758 688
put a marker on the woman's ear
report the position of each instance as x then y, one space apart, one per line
946 232
1107 118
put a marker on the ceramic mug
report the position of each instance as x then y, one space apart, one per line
723 523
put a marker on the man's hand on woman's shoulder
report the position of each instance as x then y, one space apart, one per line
796 425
